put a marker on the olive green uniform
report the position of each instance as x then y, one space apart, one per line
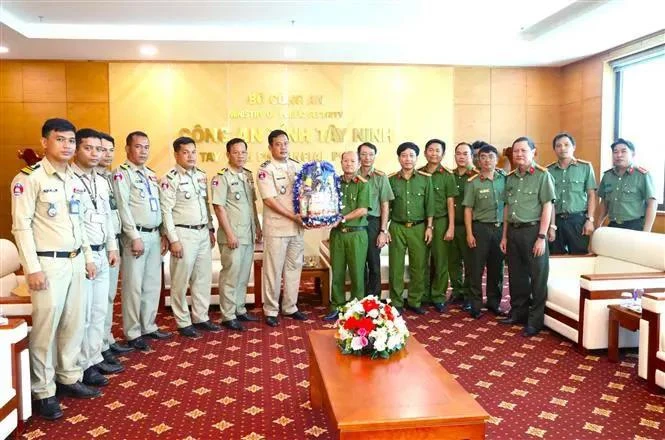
459 265
486 198
235 191
413 203
348 243
626 196
524 197
380 191
436 269
571 185
48 217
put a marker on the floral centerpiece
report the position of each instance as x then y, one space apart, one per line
370 327
316 194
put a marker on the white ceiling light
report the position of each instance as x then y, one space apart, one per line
4 49
148 50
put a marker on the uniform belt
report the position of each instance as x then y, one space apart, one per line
620 222
59 254
144 229
97 247
197 227
345 229
523 225
565 215
409 224
493 224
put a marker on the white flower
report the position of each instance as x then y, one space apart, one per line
358 308
394 341
356 343
374 313
380 345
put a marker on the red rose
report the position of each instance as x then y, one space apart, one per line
351 323
367 324
370 305
389 313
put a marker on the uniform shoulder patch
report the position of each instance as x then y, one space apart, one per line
642 170
552 164
421 168
264 164
500 171
473 177
29 169
583 161
393 174
512 172
448 169
378 172
247 170
222 171
607 171
361 178
200 170
423 173
124 166
540 167
150 169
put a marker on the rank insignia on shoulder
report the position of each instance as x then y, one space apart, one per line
264 164
293 160
423 173
247 170
378 172
360 179
222 171
149 169
541 168
642 170
550 165
27 170
124 166
473 177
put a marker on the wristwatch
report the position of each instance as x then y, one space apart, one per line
430 227
343 220
589 218
542 236
383 230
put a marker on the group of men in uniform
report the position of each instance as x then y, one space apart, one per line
75 222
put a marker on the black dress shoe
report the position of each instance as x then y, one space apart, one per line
139 344
49 408
106 368
158 334
120 348
475 314
496 311
417 310
207 326
233 324
467 307
77 390
110 358
332 316
530 331
272 321
92 377
189 332
440 307
297 315
511 320
247 318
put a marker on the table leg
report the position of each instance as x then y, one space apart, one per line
325 289
258 267
315 383
613 337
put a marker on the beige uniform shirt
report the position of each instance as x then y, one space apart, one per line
97 219
183 196
275 180
115 215
137 193
236 193
47 213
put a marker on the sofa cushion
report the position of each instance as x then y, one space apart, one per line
604 264
565 293
642 248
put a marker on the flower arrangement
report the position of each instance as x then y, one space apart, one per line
370 327
316 194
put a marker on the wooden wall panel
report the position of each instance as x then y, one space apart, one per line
34 115
508 86
87 82
543 86
472 122
571 118
571 81
591 118
11 120
542 122
11 81
592 78
44 82
508 123
89 115
472 85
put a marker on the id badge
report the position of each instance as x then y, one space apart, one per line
113 204
154 206
74 207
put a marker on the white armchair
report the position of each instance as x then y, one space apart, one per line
12 306
652 341
581 287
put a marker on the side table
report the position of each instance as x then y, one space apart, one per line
619 317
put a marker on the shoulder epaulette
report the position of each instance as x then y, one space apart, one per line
421 168
200 170
551 164
248 170
124 166
361 178
423 173
642 170
264 164
150 169
513 171
393 174
584 161
378 172
173 171
540 167
500 171
473 177
222 171
607 171
293 160
29 169
171 174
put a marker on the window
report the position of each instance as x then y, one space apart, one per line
640 111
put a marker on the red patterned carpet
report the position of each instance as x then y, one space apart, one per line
254 385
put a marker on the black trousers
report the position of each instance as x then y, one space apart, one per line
373 263
636 224
527 276
569 238
487 253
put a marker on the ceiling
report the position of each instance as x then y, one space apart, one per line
449 32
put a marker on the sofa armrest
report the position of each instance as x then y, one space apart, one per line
654 302
624 276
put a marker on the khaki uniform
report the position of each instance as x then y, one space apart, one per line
284 243
47 216
571 185
235 192
183 196
137 193
101 235
114 272
626 196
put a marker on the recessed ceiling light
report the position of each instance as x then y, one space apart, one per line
148 50
289 52
4 49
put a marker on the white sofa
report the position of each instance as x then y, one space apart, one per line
12 305
652 341
581 287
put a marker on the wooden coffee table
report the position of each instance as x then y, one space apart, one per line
408 396
619 317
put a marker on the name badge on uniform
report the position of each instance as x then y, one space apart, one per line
483 191
74 206
237 196
282 190
154 206
51 211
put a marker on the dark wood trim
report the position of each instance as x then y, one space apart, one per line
8 407
625 276
655 298
563 256
570 322
584 295
12 324
653 362
14 299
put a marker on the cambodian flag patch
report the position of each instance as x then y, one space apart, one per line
18 189
117 176
262 175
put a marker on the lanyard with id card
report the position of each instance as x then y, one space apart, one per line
154 205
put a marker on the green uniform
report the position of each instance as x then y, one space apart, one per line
571 185
236 193
413 203
348 243
459 265
525 196
436 270
486 198
380 192
626 196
